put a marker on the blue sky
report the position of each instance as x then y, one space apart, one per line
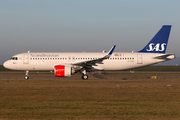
81 25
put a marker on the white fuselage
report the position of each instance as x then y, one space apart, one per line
117 61
67 64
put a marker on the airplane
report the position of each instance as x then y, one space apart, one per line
66 64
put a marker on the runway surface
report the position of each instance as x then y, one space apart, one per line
114 76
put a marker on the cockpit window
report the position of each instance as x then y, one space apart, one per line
14 58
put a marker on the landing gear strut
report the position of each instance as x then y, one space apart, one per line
84 76
26 75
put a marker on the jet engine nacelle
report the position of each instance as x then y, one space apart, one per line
63 70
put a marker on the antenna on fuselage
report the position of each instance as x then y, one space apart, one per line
28 51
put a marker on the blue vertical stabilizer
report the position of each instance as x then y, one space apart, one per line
159 42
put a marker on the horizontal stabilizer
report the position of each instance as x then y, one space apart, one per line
166 57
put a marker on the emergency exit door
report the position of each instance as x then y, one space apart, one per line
26 59
139 59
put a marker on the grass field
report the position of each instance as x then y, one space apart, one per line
121 95
93 99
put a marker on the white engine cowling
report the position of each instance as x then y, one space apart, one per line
63 71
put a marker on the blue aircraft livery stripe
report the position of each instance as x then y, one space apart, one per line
158 43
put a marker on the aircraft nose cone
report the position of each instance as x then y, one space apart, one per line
6 64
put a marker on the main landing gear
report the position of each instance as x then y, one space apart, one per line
84 76
26 75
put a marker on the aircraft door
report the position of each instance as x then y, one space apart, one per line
139 59
71 59
26 58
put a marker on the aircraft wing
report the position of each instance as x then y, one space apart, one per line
99 60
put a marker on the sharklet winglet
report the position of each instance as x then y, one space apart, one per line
111 51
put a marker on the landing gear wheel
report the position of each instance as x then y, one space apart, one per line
84 77
26 77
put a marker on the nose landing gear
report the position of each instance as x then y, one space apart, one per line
26 75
